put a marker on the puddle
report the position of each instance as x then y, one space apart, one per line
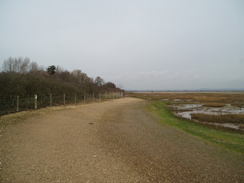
187 114
165 99
186 106
228 125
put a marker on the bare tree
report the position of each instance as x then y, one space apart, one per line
24 65
77 73
8 64
99 81
33 67
20 65
110 85
59 69
81 76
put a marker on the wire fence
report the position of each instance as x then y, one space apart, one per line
16 104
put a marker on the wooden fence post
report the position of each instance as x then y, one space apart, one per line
64 99
51 100
75 98
35 101
92 96
84 97
17 109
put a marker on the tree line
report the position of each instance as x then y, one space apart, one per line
24 78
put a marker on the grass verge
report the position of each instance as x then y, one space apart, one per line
229 140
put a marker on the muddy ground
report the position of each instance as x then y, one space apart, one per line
113 141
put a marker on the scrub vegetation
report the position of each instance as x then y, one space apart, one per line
21 77
24 83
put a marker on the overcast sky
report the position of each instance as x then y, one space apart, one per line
137 44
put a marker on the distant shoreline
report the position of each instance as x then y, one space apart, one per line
185 91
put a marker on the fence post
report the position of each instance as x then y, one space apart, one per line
75 98
64 99
35 101
84 97
99 97
51 100
92 96
17 109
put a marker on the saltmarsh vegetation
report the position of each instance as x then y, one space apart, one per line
230 140
159 104
223 118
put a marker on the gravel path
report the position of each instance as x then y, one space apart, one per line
113 141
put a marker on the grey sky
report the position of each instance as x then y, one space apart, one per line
138 44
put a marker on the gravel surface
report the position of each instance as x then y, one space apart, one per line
112 141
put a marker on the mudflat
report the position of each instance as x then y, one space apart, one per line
112 141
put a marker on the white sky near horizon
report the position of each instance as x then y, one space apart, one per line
137 44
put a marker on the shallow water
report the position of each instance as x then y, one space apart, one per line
198 108
187 106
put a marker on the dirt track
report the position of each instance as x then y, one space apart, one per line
113 141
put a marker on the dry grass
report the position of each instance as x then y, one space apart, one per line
226 118
210 98
236 99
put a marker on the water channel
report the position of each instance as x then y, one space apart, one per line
185 111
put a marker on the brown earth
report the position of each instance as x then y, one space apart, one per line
112 141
